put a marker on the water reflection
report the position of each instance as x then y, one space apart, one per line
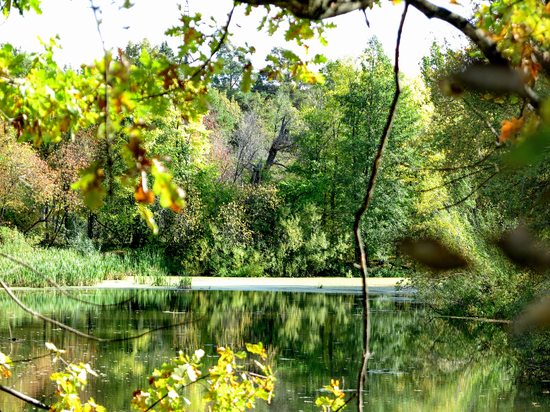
420 363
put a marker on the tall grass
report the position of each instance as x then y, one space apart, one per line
71 267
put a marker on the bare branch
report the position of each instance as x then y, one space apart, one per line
31 359
471 193
315 9
487 45
456 179
454 168
28 399
484 120
183 387
280 164
217 48
363 209
203 66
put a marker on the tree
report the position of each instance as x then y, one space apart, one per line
234 62
27 184
343 120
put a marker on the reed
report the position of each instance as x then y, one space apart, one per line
71 267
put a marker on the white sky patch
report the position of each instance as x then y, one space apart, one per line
74 22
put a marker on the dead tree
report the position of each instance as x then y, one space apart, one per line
283 142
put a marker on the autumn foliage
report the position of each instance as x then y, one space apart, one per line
27 183
510 128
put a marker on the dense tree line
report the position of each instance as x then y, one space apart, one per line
272 176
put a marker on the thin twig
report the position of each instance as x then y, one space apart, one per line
183 387
368 25
56 285
363 209
82 334
9 272
9 119
98 23
476 319
484 120
39 221
11 336
106 77
471 193
352 397
453 168
456 179
31 359
203 66
217 48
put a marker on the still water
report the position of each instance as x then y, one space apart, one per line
420 363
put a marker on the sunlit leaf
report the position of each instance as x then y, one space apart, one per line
91 185
144 196
147 215
510 128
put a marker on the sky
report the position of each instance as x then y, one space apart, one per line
74 22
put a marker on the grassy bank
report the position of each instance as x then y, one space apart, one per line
81 264
72 267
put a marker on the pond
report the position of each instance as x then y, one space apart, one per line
420 363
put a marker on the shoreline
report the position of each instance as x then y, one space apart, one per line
377 286
308 285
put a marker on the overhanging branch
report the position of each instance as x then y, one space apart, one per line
315 9
24 397
485 43
482 40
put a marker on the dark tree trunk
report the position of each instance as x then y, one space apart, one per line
282 142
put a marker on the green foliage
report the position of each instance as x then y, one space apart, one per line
20 5
467 197
339 143
332 404
531 350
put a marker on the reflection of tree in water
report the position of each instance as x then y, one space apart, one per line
420 363
532 349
